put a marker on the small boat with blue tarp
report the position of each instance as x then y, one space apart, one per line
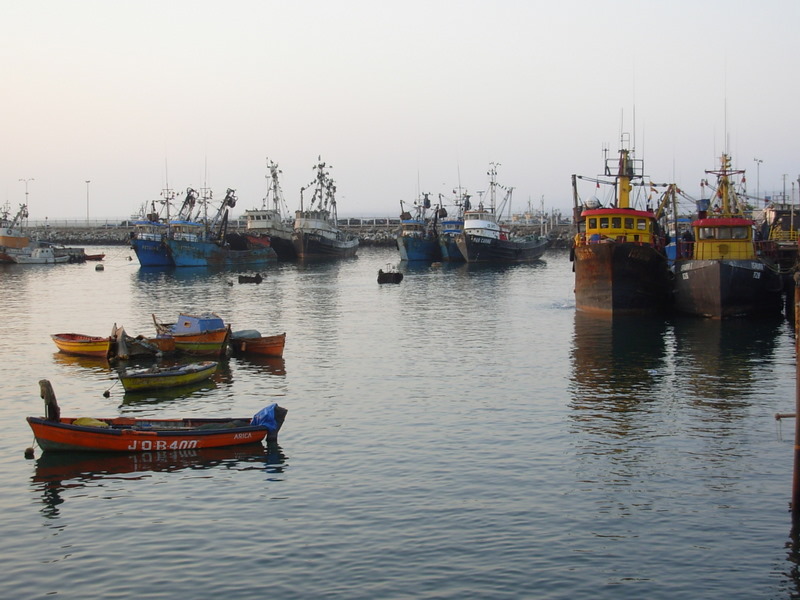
203 334
55 433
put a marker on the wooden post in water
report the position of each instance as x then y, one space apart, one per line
796 470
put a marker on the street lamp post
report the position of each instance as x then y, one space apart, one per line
88 181
26 192
758 177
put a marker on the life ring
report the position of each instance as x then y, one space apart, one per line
9 232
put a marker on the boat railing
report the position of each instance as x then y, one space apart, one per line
781 235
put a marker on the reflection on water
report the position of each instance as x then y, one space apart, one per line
615 362
136 400
90 363
59 473
792 570
140 398
266 365
718 361
462 374
619 364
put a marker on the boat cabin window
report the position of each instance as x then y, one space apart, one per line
604 223
593 223
708 233
641 224
628 223
616 222
724 233
739 233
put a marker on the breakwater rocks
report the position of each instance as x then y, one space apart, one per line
110 235
121 236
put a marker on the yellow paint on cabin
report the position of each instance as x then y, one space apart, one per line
724 242
621 228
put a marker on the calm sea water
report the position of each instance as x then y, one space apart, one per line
464 434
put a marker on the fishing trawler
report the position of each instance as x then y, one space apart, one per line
486 240
194 243
150 231
267 225
780 225
13 241
418 237
618 253
316 229
723 271
450 227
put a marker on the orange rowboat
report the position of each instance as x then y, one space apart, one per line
82 345
123 434
252 342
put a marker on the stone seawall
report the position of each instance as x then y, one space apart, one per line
108 235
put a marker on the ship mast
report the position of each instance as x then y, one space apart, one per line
729 203
274 188
624 180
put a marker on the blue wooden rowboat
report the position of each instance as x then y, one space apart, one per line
154 378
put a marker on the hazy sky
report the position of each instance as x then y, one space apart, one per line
399 97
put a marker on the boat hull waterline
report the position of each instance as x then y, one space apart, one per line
210 254
82 345
621 278
419 248
157 378
727 288
124 434
267 345
476 248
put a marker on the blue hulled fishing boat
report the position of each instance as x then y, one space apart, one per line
194 243
418 238
451 227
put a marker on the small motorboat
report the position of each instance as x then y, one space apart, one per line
257 278
390 276
156 378
250 341
40 256
83 345
123 434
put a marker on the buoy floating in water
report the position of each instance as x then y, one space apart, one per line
99 268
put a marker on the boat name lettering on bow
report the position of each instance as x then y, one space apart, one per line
242 436
161 445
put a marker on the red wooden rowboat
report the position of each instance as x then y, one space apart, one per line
252 342
123 434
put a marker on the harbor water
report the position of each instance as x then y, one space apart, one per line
463 434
